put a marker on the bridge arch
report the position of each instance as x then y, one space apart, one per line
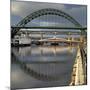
46 11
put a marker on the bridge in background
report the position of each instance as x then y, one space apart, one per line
43 12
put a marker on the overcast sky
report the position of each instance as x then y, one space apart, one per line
20 9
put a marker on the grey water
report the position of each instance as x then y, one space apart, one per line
42 66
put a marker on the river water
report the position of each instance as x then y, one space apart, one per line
42 66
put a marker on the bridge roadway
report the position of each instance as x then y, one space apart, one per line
45 27
15 29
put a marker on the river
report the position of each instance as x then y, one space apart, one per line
42 66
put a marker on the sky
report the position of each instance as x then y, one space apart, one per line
20 9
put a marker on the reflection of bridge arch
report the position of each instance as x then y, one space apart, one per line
47 11
38 75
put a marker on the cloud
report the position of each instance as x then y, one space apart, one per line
80 14
24 8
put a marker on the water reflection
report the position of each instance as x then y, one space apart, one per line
42 66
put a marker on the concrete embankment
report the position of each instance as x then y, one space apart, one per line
79 69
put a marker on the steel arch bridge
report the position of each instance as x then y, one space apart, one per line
46 11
